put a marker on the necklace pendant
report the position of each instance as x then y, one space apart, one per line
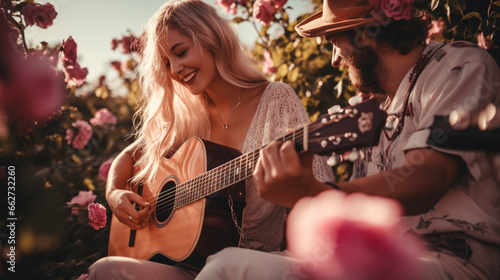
225 126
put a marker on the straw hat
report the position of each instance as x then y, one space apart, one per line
337 16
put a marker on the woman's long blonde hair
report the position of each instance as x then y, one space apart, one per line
168 113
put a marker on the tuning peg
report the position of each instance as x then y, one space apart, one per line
389 124
354 155
355 100
489 118
460 119
334 109
334 159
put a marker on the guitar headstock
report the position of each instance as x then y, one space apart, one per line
343 129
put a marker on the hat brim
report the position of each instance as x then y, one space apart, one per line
314 26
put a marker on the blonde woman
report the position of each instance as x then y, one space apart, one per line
196 81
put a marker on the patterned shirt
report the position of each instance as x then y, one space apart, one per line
459 75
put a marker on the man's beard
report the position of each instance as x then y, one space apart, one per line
364 69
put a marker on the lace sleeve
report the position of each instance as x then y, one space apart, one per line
280 109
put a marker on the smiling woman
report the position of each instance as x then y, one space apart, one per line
195 77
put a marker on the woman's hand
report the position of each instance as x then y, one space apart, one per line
123 204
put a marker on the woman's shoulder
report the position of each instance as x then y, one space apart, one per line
279 90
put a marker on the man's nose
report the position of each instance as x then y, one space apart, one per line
336 57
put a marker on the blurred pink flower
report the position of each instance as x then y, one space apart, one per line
117 65
97 215
435 31
75 74
278 4
41 15
350 237
34 90
82 138
69 51
101 80
263 11
104 169
129 44
83 198
114 44
268 66
484 42
396 9
83 277
227 5
126 43
103 116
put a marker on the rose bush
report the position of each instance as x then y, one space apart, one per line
50 171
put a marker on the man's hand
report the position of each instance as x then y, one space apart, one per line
283 176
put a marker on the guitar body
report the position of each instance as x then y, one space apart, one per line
189 234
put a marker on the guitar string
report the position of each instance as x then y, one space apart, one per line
167 199
166 202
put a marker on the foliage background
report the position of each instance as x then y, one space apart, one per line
52 243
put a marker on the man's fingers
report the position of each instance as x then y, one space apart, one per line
290 158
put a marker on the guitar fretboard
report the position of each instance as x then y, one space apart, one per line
229 173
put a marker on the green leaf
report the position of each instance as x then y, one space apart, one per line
434 4
238 20
470 24
294 74
495 15
472 15
282 71
457 6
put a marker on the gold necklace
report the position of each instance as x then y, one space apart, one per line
225 125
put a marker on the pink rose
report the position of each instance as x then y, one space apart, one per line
97 215
75 75
83 277
484 42
117 65
114 44
69 51
268 66
397 9
129 44
82 138
104 169
83 198
103 116
227 5
263 11
339 236
278 4
41 15
435 31
101 80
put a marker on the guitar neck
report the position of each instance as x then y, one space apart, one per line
339 130
230 173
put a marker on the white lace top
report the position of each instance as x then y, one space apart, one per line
279 109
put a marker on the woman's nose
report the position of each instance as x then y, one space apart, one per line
176 67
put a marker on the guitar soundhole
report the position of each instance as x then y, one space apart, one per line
165 202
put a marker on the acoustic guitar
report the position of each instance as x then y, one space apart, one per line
199 194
